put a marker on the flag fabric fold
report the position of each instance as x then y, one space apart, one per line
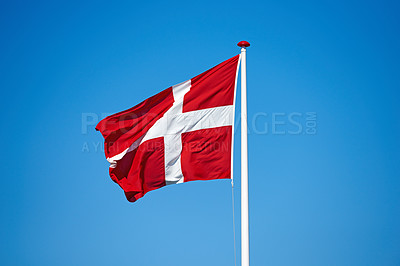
181 134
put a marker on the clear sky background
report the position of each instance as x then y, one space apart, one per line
325 198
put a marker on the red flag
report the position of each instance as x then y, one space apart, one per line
181 134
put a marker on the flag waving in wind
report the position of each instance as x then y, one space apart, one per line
181 134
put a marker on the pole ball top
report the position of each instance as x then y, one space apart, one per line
243 44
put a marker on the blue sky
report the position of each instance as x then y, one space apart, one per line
329 196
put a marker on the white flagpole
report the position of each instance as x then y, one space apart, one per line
244 167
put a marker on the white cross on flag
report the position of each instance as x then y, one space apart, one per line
181 134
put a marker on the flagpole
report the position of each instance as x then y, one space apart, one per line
244 154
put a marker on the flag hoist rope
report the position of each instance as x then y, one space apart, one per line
233 221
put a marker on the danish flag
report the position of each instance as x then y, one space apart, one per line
181 134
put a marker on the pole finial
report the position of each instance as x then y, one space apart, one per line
243 44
